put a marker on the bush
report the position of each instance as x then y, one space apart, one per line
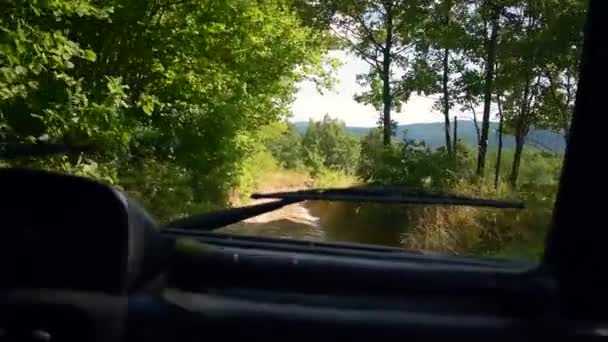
466 230
254 170
406 163
326 178
284 142
164 189
327 143
174 106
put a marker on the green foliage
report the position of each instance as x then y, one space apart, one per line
326 178
185 101
162 89
383 34
254 169
163 188
406 163
284 143
462 230
327 144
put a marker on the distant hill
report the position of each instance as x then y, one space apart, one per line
432 134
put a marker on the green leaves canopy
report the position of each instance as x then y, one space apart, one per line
181 83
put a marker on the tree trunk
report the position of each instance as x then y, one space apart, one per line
455 136
387 97
522 126
520 135
488 88
519 147
499 154
446 102
569 112
475 123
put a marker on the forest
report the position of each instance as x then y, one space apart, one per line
184 104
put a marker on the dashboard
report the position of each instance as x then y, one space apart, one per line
82 262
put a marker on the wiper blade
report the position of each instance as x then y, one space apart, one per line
389 195
218 219
13 150
222 218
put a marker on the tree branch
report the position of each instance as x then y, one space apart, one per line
568 88
371 60
368 32
398 92
405 47
183 2
477 130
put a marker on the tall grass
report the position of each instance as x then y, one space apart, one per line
443 229
492 232
326 178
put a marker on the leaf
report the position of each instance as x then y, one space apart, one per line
90 56
148 108
147 103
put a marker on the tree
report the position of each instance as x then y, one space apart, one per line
564 38
328 143
438 56
500 136
491 13
559 98
475 69
523 58
467 91
178 85
380 32
542 56
284 142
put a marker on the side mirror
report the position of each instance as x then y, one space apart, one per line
67 232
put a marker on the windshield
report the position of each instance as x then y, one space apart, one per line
193 106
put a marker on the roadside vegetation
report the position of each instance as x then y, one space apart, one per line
184 104
445 229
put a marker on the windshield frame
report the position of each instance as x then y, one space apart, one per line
575 246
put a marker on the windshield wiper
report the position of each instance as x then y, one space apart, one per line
222 218
13 150
389 195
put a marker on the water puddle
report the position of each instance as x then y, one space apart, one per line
327 221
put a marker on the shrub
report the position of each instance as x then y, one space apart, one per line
284 142
326 178
407 163
466 230
327 143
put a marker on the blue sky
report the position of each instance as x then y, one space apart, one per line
339 103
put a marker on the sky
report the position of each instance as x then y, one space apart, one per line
339 102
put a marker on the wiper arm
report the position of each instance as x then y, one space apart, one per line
222 218
389 195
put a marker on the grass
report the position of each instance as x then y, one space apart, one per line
445 229
327 178
282 178
481 231
262 173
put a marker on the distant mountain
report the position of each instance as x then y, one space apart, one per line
433 135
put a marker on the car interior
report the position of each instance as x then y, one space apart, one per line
92 265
